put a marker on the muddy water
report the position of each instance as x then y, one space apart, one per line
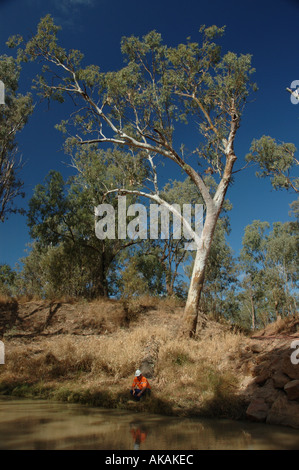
30 424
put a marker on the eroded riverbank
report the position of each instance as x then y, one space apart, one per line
87 354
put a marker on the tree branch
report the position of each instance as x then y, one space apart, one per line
156 198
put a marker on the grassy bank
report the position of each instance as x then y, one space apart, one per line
190 377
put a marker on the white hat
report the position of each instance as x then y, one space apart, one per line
138 372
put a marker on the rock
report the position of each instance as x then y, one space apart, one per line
280 379
262 378
267 392
245 355
147 367
148 362
262 366
247 367
257 410
284 412
292 390
256 347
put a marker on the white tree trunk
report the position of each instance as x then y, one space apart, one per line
192 316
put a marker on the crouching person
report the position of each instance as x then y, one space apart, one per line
140 386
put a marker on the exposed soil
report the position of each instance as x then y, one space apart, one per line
268 380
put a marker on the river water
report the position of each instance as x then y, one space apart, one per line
41 425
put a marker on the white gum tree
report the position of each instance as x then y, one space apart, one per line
143 105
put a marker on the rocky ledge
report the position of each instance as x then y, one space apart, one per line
272 360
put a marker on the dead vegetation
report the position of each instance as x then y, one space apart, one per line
88 352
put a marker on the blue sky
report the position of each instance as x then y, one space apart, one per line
266 29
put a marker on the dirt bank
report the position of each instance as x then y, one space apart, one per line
88 352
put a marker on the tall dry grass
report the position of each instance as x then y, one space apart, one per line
115 355
192 373
189 374
4 298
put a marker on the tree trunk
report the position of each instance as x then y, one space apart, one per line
169 289
252 312
169 283
191 314
193 318
102 284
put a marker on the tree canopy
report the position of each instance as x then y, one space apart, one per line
124 125
14 114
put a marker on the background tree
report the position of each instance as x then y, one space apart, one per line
165 258
221 277
269 261
283 260
13 117
276 161
61 219
7 279
138 106
54 272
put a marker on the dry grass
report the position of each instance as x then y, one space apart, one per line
64 357
120 354
197 373
287 325
4 298
190 375
103 315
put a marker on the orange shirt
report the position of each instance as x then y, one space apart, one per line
138 435
140 383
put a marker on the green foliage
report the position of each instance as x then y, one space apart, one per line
276 161
158 86
61 221
141 107
138 111
270 263
7 279
221 277
254 245
13 117
54 272
133 283
294 212
180 358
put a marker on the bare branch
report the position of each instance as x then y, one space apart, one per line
156 198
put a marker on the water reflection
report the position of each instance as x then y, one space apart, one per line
139 432
30 424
